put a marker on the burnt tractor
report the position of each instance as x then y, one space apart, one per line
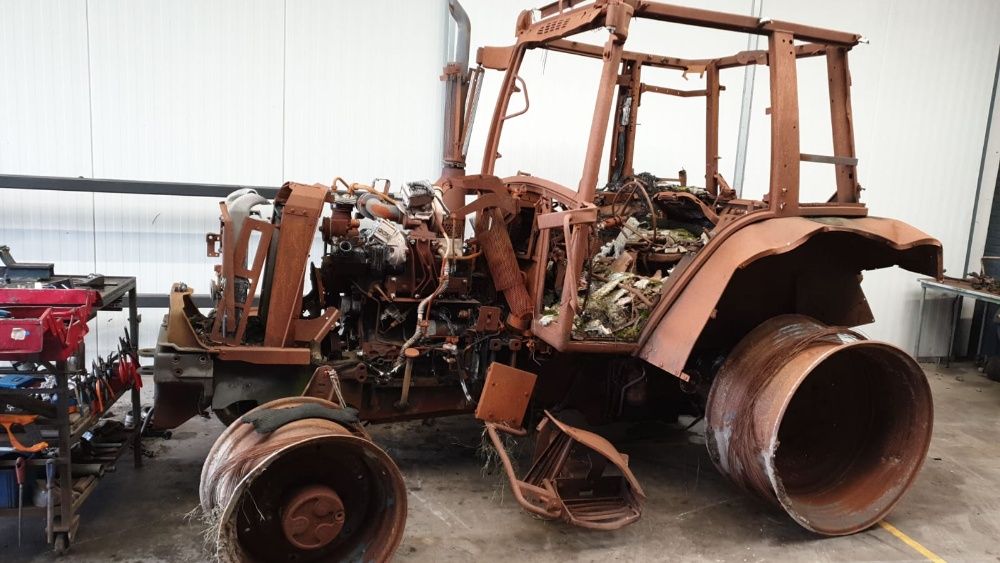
636 298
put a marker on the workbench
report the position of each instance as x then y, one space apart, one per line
959 290
59 427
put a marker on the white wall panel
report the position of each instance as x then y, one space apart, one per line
183 91
45 109
158 239
926 143
45 129
362 93
111 326
187 91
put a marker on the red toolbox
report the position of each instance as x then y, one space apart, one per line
43 324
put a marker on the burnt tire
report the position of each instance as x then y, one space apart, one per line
234 411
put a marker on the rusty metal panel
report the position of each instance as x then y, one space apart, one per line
302 210
670 341
505 395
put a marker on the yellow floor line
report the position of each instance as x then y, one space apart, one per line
930 555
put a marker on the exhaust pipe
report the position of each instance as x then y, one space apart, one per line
309 490
831 427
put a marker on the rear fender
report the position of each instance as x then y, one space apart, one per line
783 265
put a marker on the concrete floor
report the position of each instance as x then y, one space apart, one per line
458 513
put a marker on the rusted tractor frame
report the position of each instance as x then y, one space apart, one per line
746 320
620 76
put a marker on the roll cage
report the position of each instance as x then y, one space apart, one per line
621 80
619 91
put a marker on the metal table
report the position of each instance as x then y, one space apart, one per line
959 289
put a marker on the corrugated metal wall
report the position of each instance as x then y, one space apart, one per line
255 92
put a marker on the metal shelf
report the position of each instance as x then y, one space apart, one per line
78 428
115 293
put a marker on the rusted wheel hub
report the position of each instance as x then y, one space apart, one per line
310 491
313 517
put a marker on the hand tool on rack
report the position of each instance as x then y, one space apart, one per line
97 383
146 417
128 363
99 401
50 477
19 470
82 395
8 421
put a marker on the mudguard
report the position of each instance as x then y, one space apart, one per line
878 243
